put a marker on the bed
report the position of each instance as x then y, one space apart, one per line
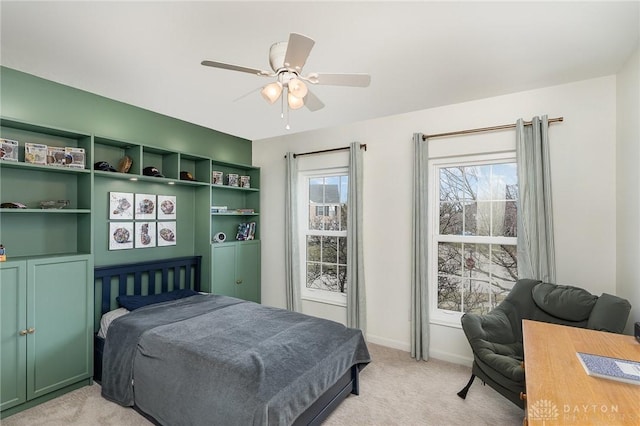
212 359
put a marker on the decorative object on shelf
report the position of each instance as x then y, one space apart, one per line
120 205
74 157
103 166
232 179
120 235
152 171
8 150
13 205
3 254
54 204
245 181
220 237
167 207
55 156
145 206
184 175
145 234
246 231
167 234
125 164
35 153
216 178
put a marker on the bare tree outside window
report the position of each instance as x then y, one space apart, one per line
477 235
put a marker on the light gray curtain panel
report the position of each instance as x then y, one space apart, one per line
536 253
419 282
291 258
356 300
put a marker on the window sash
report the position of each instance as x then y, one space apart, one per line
305 204
434 238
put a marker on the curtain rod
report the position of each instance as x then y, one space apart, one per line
362 145
485 129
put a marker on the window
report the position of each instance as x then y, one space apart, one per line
473 234
324 235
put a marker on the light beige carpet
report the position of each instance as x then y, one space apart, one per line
394 390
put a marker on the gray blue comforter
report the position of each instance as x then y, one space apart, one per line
209 359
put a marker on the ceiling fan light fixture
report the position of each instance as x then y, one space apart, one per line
294 101
297 88
271 92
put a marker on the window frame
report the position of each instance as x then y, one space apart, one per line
437 315
310 294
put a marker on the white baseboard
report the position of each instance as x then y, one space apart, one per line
449 357
395 344
403 346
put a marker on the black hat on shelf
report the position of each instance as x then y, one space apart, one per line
186 176
151 171
103 166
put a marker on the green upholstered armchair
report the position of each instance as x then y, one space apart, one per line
496 337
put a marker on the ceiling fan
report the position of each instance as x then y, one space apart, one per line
287 59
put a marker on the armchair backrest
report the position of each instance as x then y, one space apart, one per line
566 305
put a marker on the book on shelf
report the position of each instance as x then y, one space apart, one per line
245 211
622 370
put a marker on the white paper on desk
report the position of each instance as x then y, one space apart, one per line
627 368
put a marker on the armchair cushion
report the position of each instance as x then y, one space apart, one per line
564 302
609 313
494 343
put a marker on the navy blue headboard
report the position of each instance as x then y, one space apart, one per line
151 277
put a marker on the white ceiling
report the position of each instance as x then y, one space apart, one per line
419 54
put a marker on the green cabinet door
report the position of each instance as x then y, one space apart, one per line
60 301
236 269
248 271
223 269
13 326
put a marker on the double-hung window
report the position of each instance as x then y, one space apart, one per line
472 234
323 236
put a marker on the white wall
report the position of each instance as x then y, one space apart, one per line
583 157
628 184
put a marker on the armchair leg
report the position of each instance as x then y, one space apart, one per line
463 393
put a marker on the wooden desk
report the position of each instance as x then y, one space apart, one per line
559 391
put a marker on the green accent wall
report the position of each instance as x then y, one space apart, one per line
29 98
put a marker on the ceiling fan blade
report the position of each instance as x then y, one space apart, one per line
355 80
298 49
312 102
232 67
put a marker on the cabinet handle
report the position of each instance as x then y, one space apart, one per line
238 281
22 332
31 330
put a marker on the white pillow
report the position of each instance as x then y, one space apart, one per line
107 318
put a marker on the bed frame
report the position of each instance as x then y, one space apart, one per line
160 276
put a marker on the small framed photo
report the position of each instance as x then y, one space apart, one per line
120 235
35 153
167 234
216 177
232 179
167 207
74 157
121 205
145 234
145 207
8 150
56 156
245 181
